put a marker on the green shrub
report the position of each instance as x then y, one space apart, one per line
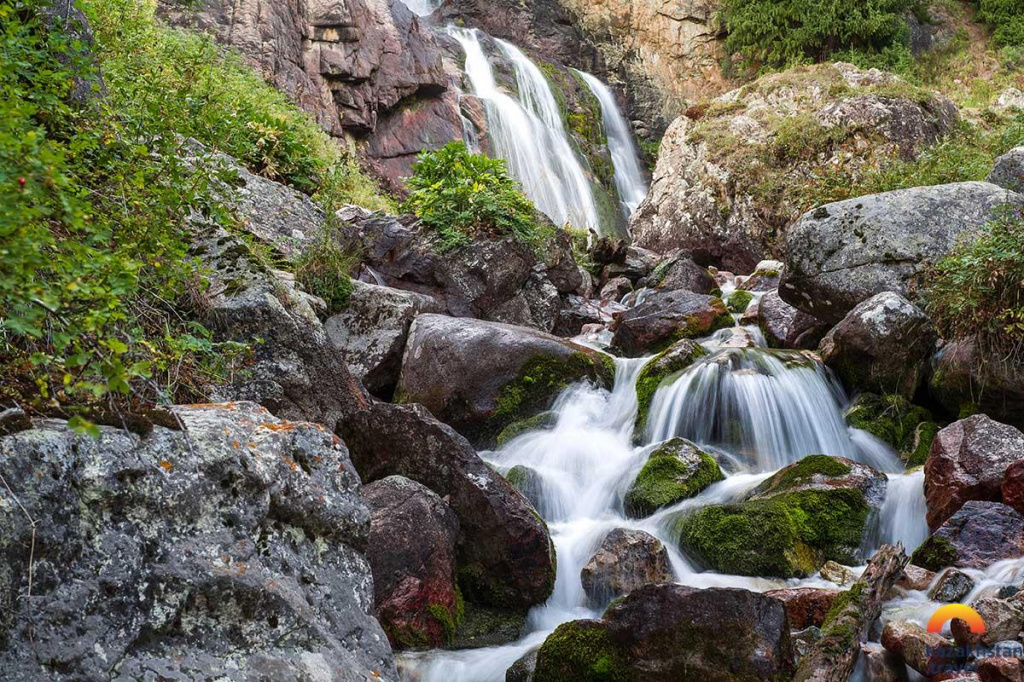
978 289
1006 17
464 196
324 271
778 33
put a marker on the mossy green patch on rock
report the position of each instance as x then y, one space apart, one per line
483 626
674 472
656 372
581 651
921 445
537 422
739 301
895 420
788 535
803 472
935 554
540 380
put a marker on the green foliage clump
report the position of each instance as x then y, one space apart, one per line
977 291
665 479
935 554
544 420
803 472
893 419
581 651
788 535
1006 17
323 270
774 33
739 301
464 196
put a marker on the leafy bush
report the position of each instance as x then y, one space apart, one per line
464 196
778 33
978 290
324 271
1006 17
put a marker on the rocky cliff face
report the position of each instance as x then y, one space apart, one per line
359 67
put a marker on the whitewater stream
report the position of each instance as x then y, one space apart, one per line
757 410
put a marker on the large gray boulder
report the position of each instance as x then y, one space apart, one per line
479 377
1008 171
230 550
882 346
843 253
505 554
370 332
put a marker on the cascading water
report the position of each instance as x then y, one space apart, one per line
758 408
423 8
628 176
529 134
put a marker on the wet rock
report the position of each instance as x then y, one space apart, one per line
968 461
925 652
908 428
1012 487
675 471
1009 170
786 327
481 376
966 380
704 197
837 573
522 669
665 317
1004 620
626 560
412 553
371 331
238 541
765 278
916 578
578 312
668 632
505 555
842 254
484 626
977 536
615 289
1000 670
738 301
790 525
880 665
805 606
681 273
883 346
952 586
661 370
530 483
803 642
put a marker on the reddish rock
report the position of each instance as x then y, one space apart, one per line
615 289
786 327
665 317
1004 619
412 555
881 665
968 461
915 578
977 536
626 561
1012 488
1001 670
921 650
805 606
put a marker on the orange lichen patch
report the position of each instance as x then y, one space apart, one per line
208 406
282 426
236 444
250 444
166 465
291 462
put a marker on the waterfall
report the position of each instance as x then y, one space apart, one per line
423 8
628 175
529 134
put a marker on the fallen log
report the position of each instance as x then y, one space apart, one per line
832 658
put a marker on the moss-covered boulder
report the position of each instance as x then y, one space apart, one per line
738 301
674 472
480 377
673 633
530 483
806 514
908 428
483 626
660 371
977 536
538 422
665 317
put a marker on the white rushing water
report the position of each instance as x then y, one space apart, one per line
755 409
422 8
529 134
630 183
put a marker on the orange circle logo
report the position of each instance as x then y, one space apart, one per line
950 611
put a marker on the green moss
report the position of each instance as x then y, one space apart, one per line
789 535
893 419
483 626
802 472
581 651
693 327
657 372
666 480
448 618
739 301
539 381
935 554
535 423
924 435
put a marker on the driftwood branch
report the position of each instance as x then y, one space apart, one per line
832 658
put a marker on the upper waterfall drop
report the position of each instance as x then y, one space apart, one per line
628 174
529 134
423 8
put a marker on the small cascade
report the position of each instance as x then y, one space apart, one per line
529 134
423 8
769 407
903 515
628 174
